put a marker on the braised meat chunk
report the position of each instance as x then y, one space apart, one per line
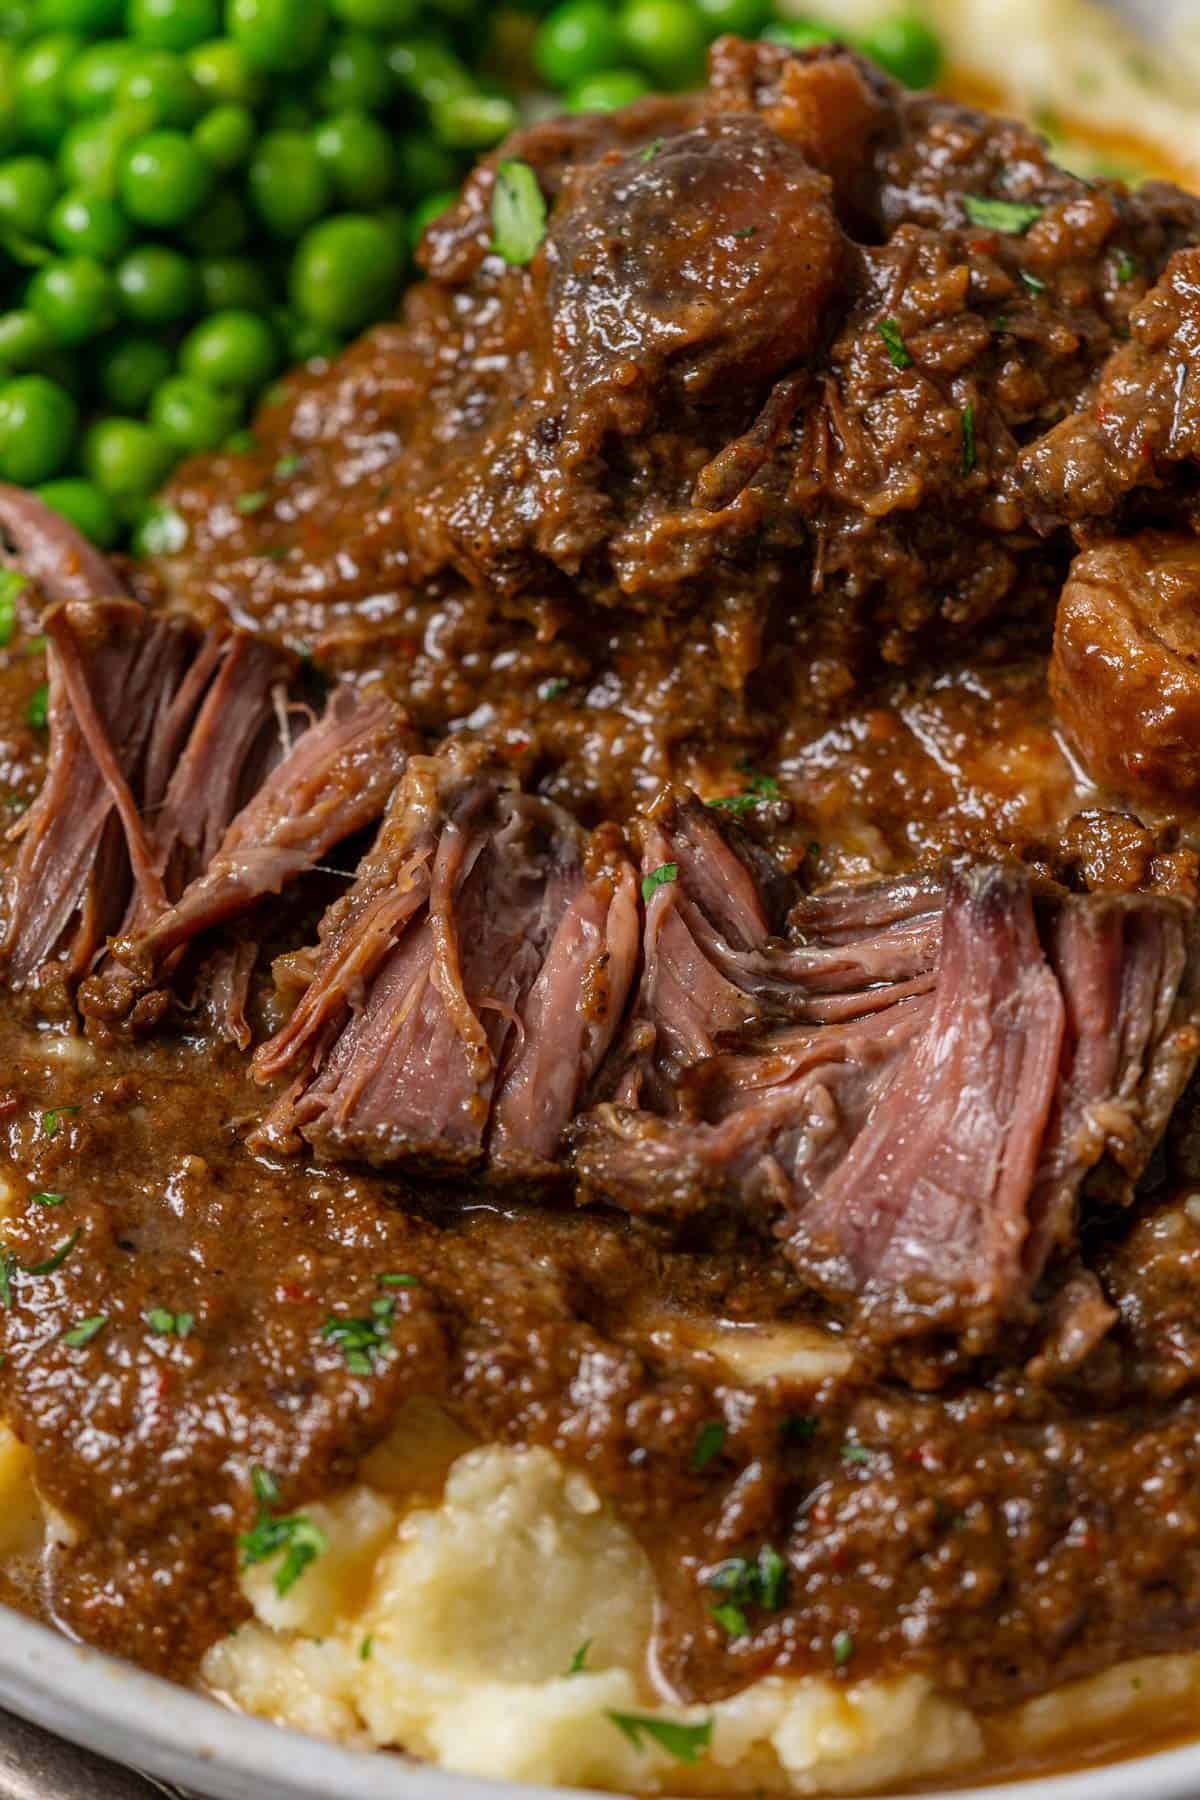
747 426
465 987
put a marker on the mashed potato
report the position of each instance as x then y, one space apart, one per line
1069 64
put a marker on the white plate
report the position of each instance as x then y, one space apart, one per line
134 1718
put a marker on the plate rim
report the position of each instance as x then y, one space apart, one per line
143 1721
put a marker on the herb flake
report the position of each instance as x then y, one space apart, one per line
253 502
53 1119
297 1539
165 1323
578 1664
85 1331
897 349
663 876
38 710
58 1258
518 214
683 1742
362 1340
1014 217
709 1444
843 1649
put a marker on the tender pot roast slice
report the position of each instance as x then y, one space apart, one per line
713 963
464 989
921 1145
1125 674
42 545
158 734
334 781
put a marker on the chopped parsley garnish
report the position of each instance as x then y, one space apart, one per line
709 1444
747 231
731 1619
402 1281
897 349
855 1454
365 1648
252 503
1011 216
683 1742
1127 266
579 1660
650 151
53 1119
164 1323
362 1340
759 787
743 1583
85 1331
800 1430
48 1199
660 877
12 583
518 214
287 465
8 1268
1034 283
843 1649
969 453
297 1539
550 690
17 803
37 712
58 1259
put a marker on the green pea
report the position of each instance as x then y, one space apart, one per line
89 225
744 18
126 459
163 179
38 422
423 165
383 16
18 21
425 68
173 24
360 157
427 212
91 81
606 92
225 136
234 283
665 37
10 98
346 272
473 121
222 226
41 86
191 415
163 85
578 39
289 187
157 285
28 189
85 507
76 297
26 343
906 46
306 342
89 156
128 371
88 18
799 34
354 73
221 72
277 35
234 349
